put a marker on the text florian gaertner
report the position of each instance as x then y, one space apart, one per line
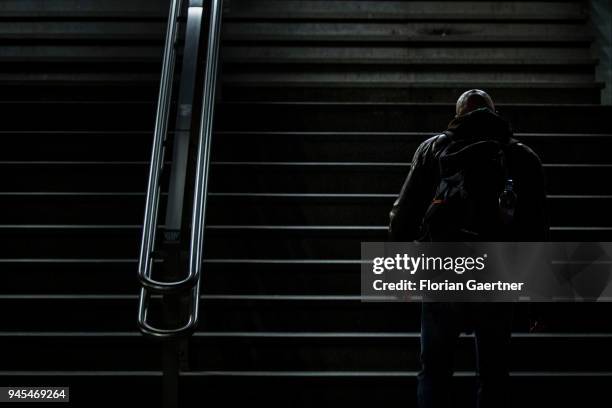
416 269
486 271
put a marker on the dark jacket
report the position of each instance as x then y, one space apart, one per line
530 223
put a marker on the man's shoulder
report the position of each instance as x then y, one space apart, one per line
438 139
432 144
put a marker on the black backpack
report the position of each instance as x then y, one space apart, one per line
475 198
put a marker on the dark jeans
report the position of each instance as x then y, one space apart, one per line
441 324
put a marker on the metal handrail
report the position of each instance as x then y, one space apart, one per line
192 281
203 159
145 260
148 329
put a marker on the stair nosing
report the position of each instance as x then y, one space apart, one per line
299 374
293 334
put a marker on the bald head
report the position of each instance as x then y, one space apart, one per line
472 100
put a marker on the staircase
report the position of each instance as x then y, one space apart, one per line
323 104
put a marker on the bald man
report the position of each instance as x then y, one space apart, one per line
442 323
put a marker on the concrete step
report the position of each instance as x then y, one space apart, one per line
79 87
49 32
257 209
145 87
339 78
359 53
116 9
76 53
77 146
269 116
358 146
425 92
392 32
86 77
84 146
349 54
100 276
362 178
525 88
397 10
223 241
268 177
84 31
124 351
272 313
402 117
